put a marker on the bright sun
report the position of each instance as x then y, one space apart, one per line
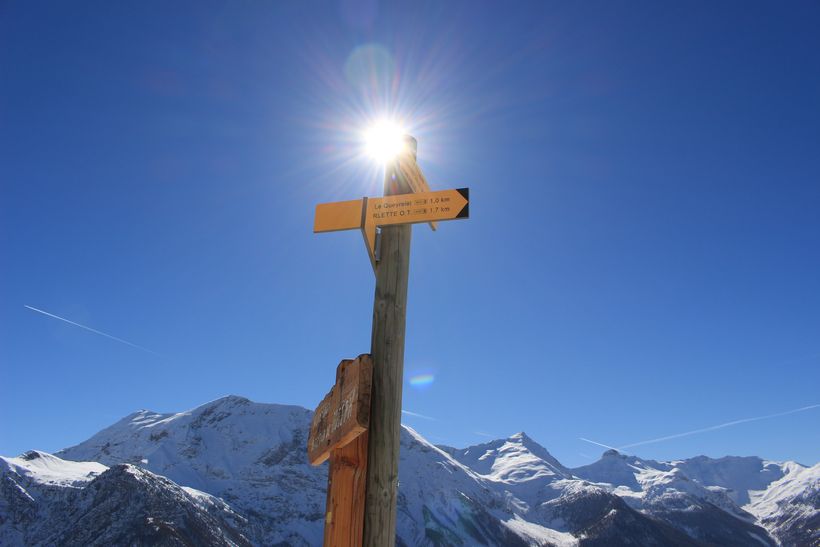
384 140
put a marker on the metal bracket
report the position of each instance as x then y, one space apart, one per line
378 250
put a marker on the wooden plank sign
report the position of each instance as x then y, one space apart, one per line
338 215
414 208
368 213
344 413
398 209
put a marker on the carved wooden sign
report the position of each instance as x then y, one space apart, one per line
344 413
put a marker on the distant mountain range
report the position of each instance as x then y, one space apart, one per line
235 472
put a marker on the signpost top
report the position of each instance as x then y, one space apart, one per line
396 209
369 213
364 449
415 208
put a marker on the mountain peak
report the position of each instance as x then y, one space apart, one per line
49 469
234 400
32 455
517 458
524 439
253 455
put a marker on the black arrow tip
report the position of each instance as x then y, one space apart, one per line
465 211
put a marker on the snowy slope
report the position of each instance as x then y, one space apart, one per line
683 492
738 475
516 459
790 506
646 483
442 501
253 484
41 468
252 455
516 494
541 490
45 500
520 468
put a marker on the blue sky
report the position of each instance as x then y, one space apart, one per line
642 257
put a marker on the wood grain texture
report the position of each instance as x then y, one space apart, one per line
410 171
387 350
347 480
344 412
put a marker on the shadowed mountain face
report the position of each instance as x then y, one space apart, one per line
234 472
49 501
784 497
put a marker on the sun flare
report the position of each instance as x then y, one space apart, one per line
384 140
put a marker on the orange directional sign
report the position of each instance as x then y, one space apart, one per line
411 209
400 209
414 208
339 215
368 213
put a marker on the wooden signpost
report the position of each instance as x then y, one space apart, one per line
339 431
369 213
344 413
364 447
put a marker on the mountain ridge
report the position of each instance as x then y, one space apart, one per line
251 457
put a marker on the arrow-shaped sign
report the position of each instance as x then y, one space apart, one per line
399 209
368 213
415 208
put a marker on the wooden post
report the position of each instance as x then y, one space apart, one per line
387 349
344 517
338 431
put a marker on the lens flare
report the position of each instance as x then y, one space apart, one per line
384 140
422 380
435 87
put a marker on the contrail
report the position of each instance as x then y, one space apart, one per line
599 444
719 426
704 429
95 331
419 415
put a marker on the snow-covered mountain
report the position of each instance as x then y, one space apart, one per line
234 472
783 497
249 454
45 500
691 495
789 506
